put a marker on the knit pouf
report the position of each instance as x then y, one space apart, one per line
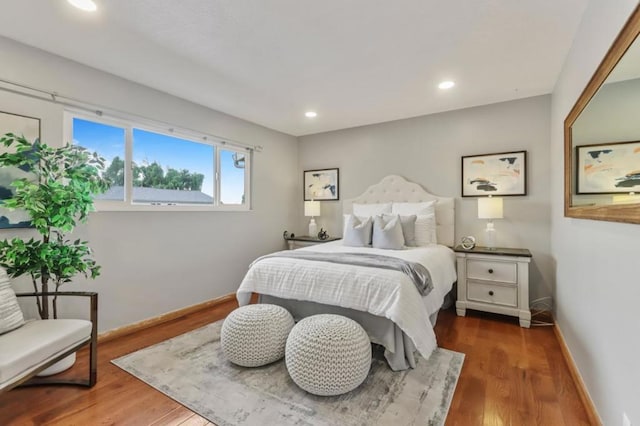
256 335
328 354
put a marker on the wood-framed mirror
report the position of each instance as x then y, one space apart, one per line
602 137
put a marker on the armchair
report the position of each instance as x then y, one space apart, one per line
38 344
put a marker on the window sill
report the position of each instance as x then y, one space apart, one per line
122 207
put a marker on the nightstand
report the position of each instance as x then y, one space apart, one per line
494 280
305 241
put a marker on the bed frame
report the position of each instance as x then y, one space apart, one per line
381 330
396 189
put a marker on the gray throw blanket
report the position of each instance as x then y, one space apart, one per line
416 271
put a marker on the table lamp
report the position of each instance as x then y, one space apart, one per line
629 198
490 208
312 208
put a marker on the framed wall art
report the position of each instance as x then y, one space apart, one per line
29 127
494 174
321 185
608 168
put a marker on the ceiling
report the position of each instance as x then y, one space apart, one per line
355 62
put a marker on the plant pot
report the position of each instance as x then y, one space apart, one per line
60 366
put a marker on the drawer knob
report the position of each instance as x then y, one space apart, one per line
490 292
490 271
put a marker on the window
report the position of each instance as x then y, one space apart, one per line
109 142
150 168
232 177
170 170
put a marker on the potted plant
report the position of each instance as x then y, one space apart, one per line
58 198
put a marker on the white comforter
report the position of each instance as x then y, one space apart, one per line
387 293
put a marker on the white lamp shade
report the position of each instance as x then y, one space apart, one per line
629 198
490 208
312 208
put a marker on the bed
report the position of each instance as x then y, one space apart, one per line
385 302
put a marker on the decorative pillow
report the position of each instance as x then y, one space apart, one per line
408 224
345 221
357 232
425 229
387 234
10 313
370 210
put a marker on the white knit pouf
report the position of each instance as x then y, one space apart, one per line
256 335
328 354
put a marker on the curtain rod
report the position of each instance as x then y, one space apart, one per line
68 101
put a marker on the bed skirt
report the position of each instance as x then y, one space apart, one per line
399 348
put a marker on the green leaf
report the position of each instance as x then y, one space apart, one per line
66 179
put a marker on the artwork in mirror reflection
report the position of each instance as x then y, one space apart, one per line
608 168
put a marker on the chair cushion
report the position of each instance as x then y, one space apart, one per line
10 313
36 342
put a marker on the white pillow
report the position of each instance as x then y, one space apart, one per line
387 234
407 209
345 221
425 231
408 224
370 210
425 223
10 313
357 232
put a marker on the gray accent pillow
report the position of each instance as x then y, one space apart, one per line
357 233
387 234
408 224
10 313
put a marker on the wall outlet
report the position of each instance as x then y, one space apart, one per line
625 420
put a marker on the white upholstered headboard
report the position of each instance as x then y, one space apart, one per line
396 189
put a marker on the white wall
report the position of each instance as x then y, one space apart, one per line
155 262
428 150
597 291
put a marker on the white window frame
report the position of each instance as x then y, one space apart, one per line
128 125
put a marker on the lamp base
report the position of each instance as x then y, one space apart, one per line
313 228
490 236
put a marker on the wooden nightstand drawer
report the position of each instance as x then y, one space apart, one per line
492 270
495 294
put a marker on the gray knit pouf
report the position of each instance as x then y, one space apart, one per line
328 354
256 335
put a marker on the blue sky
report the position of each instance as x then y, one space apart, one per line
168 151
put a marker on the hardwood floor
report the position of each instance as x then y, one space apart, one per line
511 376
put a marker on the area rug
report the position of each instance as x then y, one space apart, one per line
193 370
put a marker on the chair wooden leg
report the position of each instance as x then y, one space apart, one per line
93 347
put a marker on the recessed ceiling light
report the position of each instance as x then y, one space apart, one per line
310 114
86 5
446 85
